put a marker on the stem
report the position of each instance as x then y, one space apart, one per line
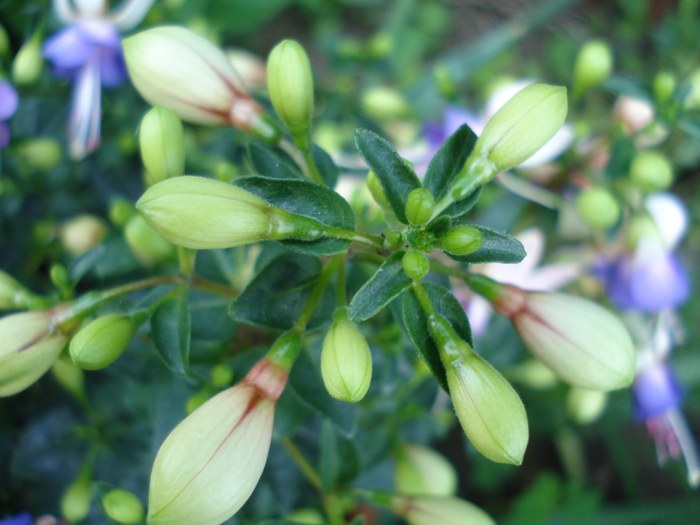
317 292
349 235
200 283
341 297
480 284
185 259
529 191
302 160
306 468
315 174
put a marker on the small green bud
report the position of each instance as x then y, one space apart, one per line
421 470
521 127
123 507
291 87
4 41
664 87
419 206
598 208
594 64
692 100
42 154
28 63
306 516
149 247
76 500
585 406
416 265
162 143
651 171
221 375
195 401
120 211
434 510
102 341
375 188
383 103
534 374
82 234
346 361
225 171
462 240
61 278
69 376
394 238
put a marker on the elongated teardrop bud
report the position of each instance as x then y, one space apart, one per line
102 341
162 143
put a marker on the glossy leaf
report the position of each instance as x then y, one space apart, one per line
623 151
395 176
271 162
387 283
170 329
497 247
325 164
449 161
339 460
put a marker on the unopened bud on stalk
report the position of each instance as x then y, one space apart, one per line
346 360
421 470
419 206
383 103
76 500
162 143
103 340
598 208
375 188
149 247
433 510
585 406
201 213
664 87
582 342
651 171
593 65
416 265
82 234
462 240
26 69
291 87
120 211
123 507
41 153
176 68
29 344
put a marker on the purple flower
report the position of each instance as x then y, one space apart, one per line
89 53
23 518
8 105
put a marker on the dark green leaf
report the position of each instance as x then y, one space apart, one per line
449 161
690 126
459 208
276 296
309 200
110 258
395 176
339 460
416 324
621 156
170 329
497 247
387 283
325 164
272 163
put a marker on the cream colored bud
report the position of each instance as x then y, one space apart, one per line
82 234
586 406
346 362
162 144
149 247
100 342
421 470
436 510
383 103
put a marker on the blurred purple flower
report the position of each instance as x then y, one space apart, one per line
18 519
89 53
8 105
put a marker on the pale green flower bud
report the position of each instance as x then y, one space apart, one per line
209 465
582 342
76 500
221 375
123 507
585 406
195 401
594 64
42 154
346 361
12 293
26 69
162 143
421 470
29 344
102 341
416 265
120 211
383 103
176 68
201 213
149 247
436 510
419 206
291 87
598 208
82 234
69 376
521 127
462 240
664 86
4 41
375 188
651 171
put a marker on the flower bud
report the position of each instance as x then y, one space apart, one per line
651 171
375 188
76 500
4 41
69 376
102 341
582 342
210 463
593 65
346 361
123 507
416 265
201 213
421 470
306 516
12 294
149 247
419 206
120 211
521 127
29 344
82 234
291 88
221 375
434 510
664 87
462 240
598 208
162 143
383 103
176 68
585 406
28 63
42 153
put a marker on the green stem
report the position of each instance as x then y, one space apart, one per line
205 285
341 293
317 292
185 259
306 468
480 284
303 160
374 241
314 172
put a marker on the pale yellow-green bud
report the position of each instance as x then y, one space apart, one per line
419 206
195 401
346 361
421 470
664 86
533 374
383 103
76 500
29 344
594 64
462 240
416 265
306 516
221 375
120 211
102 341
585 406
26 69
521 127
123 507
375 188
436 510
598 208
69 376
692 100
291 87
651 171
162 144
147 245
42 153
82 234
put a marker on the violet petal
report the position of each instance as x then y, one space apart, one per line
68 49
9 100
656 390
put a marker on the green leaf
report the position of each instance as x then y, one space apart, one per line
690 126
623 151
309 200
387 283
272 162
276 296
110 258
170 329
416 323
449 161
325 164
497 247
395 176
459 208
339 458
